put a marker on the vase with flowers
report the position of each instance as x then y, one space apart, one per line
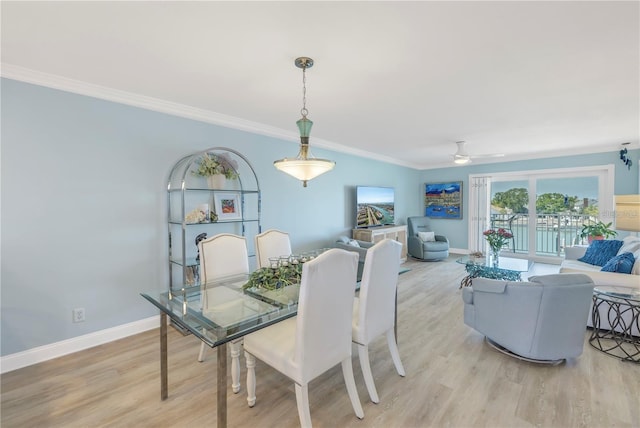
217 168
497 238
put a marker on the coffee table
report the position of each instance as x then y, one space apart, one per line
507 268
622 308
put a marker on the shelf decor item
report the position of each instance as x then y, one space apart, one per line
217 168
497 238
228 206
304 167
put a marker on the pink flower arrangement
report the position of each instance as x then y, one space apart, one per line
497 238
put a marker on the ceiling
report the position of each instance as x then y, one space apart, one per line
395 81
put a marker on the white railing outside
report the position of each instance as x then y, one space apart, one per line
554 232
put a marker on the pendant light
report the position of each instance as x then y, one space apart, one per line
304 167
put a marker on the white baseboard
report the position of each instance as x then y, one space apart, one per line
54 350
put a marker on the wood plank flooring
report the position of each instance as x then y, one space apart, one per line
454 379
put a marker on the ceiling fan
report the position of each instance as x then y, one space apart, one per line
461 157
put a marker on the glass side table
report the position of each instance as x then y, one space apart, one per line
507 269
621 307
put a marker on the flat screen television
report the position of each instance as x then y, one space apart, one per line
375 206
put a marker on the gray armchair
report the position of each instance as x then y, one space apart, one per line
543 320
429 250
344 242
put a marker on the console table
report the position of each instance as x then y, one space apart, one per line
377 234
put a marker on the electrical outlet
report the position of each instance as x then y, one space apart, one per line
78 315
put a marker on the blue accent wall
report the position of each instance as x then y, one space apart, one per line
83 212
84 206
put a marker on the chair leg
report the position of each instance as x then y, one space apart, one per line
235 365
302 400
395 354
347 373
363 355
251 378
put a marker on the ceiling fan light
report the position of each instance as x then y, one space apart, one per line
461 160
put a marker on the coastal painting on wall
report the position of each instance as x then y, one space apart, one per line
443 200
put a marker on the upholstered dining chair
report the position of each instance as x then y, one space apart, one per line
223 255
318 338
374 309
271 243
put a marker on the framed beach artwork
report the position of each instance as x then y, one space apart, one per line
443 200
228 206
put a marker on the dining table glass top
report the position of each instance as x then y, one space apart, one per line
223 310
228 308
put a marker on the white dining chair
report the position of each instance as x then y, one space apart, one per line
223 255
374 309
271 243
318 338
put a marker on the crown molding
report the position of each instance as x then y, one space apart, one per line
22 74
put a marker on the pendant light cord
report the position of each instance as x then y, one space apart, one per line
304 110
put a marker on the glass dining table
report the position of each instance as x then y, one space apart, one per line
230 312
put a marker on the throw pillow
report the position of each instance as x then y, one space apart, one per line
427 236
600 252
629 245
636 265
354 243
622 263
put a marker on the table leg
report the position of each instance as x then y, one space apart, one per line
222 386
164 388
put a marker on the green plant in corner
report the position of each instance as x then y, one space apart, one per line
212 164
597 230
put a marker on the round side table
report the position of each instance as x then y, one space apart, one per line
621 306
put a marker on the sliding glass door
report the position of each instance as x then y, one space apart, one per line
563 205
545 210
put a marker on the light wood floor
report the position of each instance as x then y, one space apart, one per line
454 379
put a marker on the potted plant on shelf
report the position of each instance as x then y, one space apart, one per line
597 231
217 168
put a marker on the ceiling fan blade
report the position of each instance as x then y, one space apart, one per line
461 156
490 155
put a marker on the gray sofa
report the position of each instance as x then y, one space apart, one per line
346 243
419 249
543 319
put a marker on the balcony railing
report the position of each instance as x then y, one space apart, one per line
553 232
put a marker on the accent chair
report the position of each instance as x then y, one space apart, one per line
423 243
543 320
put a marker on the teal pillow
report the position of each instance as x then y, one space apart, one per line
622 263
600 252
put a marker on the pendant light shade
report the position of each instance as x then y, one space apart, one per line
304 167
